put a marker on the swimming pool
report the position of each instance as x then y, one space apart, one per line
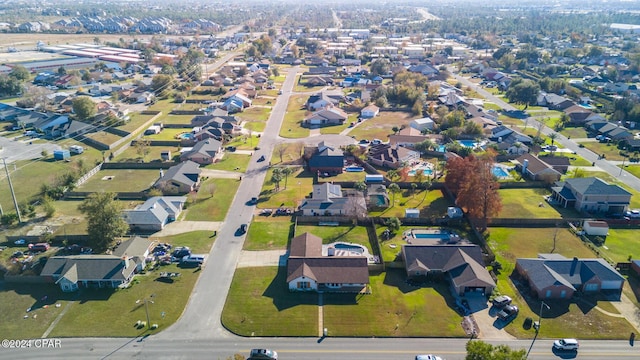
442 148
499 172
349 247
354 168
425 171
468 143
430 234
186 136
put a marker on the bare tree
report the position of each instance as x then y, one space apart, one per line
281 149
211 189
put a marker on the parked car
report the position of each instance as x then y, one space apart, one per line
501 301
428 357
263 354
231 148
253 201
566 344
38 247
180 252
192 260
266 212
633 214
508 313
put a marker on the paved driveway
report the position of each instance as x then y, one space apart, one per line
21 149
262 258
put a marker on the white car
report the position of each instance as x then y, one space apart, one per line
566 344
634 214
428 357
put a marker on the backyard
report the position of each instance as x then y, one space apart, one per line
431 204
231 162
120 180
530 203
381 126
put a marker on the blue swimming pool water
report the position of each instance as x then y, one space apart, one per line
498 171
442 148
354 168
468 143
425 171
186 136
380 200
348 247
430 236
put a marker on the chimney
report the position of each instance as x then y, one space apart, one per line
125 261
574 265
525 164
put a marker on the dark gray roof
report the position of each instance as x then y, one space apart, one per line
595 186
545 272
330 269
436 257
89 267
186 172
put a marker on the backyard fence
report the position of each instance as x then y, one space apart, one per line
88 175
136 165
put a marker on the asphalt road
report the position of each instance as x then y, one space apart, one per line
303 349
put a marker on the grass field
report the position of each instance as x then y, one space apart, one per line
525 203
329 234
176 119
213 208
122 180
167 134
104 137
380 126
100 312
299 185
256 118
269 233
231 162
131 154
136 120
431 204
394 309
258 295
564 318
292 123
244 142
291 154
574 132
620 244
610 151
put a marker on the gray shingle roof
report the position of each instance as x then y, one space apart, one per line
595 186
89 267
545 272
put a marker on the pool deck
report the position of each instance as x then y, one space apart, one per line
346 252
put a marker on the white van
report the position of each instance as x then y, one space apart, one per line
76 149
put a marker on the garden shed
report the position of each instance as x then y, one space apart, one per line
595 228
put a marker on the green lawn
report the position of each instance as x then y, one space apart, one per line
525 203
610 151
434 204
564 319
337 129
574 132
380 126
231 162
299 185
260 304
167 134
329 234
104 137
176 119
291 154
244 142
620 244
136 120
292 123
213 208
574 160
122 180
345 176
269 233
633 168
393 309
131 154
256 113
101 313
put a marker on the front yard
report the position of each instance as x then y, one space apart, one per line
121 180
299 184
212 208
292 123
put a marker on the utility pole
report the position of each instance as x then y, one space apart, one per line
537 326
13 194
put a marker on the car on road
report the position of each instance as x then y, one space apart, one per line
242 229
261 158
263 354
253 201
501 301
428 357
508 313
566 344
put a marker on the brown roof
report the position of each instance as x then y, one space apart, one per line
305 245
330 269
535 165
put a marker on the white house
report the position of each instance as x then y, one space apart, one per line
422 124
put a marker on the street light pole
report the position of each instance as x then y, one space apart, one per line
542 303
